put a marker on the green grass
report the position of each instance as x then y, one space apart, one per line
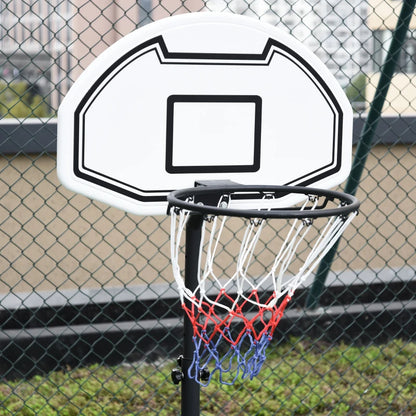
299 378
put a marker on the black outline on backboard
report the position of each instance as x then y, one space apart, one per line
173 99
165 57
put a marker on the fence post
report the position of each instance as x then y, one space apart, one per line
367 134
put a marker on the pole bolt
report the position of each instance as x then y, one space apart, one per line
177 376
204 374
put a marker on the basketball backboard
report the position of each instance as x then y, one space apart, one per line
202 96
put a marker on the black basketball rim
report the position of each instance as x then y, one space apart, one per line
202 197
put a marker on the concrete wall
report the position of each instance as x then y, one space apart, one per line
383 14
51 238
401 96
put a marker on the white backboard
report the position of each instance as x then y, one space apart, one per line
202 96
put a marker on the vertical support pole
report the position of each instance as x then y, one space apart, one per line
367 134
190 388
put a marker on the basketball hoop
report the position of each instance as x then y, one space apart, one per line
233 303
234 315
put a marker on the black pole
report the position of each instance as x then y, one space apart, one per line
190 388
367 134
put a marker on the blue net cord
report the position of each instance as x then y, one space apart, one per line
243 359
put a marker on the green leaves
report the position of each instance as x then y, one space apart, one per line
18 100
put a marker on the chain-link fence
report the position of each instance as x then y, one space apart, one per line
85 284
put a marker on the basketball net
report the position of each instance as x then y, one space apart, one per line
233 321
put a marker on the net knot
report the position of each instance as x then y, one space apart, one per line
233 340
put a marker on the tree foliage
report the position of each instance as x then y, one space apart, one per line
21 100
